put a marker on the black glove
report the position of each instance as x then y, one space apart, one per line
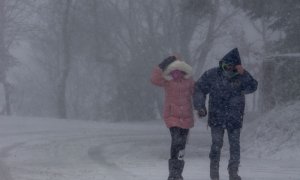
166 62
202 112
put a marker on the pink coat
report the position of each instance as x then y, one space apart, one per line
178 110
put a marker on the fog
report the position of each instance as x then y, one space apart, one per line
76 101
92 59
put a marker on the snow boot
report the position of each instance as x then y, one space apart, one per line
233 173
214 170
175 169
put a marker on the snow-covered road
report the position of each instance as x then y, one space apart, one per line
50 149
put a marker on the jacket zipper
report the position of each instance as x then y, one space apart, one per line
181 113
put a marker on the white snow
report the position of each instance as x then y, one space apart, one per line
276 134
53 149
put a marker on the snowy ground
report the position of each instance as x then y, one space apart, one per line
276 134
50 149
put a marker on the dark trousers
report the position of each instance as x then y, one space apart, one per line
217 134
179 139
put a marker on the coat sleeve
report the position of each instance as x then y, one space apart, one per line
157 77
249 84
201 89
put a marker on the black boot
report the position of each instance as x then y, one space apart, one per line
233 173
175 169
214 170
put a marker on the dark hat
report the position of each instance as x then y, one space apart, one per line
232 57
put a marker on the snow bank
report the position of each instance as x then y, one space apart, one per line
274 135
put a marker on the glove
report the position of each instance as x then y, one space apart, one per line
166 62
202 112
240 69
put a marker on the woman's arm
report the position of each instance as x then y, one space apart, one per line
157 77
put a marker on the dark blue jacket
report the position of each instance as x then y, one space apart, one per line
226 97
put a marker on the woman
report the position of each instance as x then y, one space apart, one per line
175 77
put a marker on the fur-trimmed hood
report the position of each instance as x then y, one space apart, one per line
178 65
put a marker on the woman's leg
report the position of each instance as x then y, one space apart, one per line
179 139
176 162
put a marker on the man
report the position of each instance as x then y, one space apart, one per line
226 86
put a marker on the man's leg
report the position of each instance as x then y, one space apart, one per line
234 161
217 134
176 162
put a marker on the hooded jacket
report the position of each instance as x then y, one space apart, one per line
178 110
226 95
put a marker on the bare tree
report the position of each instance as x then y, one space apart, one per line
52 43
66 64
214 18
13 14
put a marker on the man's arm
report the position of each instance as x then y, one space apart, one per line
249 84
201 89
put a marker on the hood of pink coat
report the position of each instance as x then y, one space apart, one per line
178 65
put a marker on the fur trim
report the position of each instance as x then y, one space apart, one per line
178 65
